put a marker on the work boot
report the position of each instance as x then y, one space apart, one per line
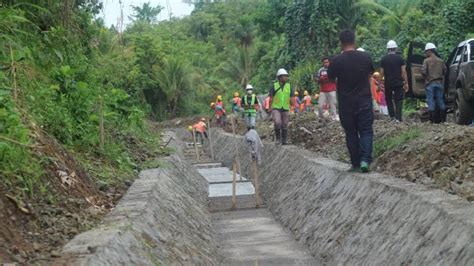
364 167
278 135
431 113
443 116
284 136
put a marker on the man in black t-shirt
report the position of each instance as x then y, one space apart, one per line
396 82
351 70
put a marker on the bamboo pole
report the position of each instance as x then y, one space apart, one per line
210 141
256 183
195 145
13 67
101 123
237 158
234 185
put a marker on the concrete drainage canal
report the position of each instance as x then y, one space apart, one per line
312 212
246 235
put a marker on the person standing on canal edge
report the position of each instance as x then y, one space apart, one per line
351 70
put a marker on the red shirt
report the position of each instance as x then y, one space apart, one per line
327 85
307 100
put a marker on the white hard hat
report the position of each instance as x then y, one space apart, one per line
430 46
360 49
249 87
391 44
281 72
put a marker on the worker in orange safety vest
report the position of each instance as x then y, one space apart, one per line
200 129
220 112
307 102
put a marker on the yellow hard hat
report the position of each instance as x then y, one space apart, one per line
376 74
219 97
305 93
212 104
297 93
236 94
190 128
203 119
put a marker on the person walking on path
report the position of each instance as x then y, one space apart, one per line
307 102
374 87
295 103
351 70
280 94
327 95
396 81
383 101
220 112
201 129
236 103
433 71
250 105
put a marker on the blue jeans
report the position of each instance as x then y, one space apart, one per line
357 122
434 96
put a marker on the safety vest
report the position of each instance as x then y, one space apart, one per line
249 107
281 96
219 110
294 102
200 127
266 103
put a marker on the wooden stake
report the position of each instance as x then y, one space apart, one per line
234 185
101 123
195 145
210 141
236 148
13 67
256 183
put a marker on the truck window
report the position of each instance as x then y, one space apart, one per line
472 51
457 57
465 56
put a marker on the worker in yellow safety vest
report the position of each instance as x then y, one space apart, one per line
250 105
280 94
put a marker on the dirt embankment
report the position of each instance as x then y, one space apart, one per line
34 229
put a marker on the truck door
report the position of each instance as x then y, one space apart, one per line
454 67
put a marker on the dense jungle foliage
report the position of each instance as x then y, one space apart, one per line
65 71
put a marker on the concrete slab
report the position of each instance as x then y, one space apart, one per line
207 165
221 190
218 174
219 204
253 237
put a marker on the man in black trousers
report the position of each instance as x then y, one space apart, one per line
351 69
396 82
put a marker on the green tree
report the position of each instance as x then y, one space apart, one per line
146 13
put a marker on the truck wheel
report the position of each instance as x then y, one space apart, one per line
463 110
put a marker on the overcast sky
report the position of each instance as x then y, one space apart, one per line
111 11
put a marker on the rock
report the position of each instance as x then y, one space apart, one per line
36 246
73 231
435 164
93 210
55 254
